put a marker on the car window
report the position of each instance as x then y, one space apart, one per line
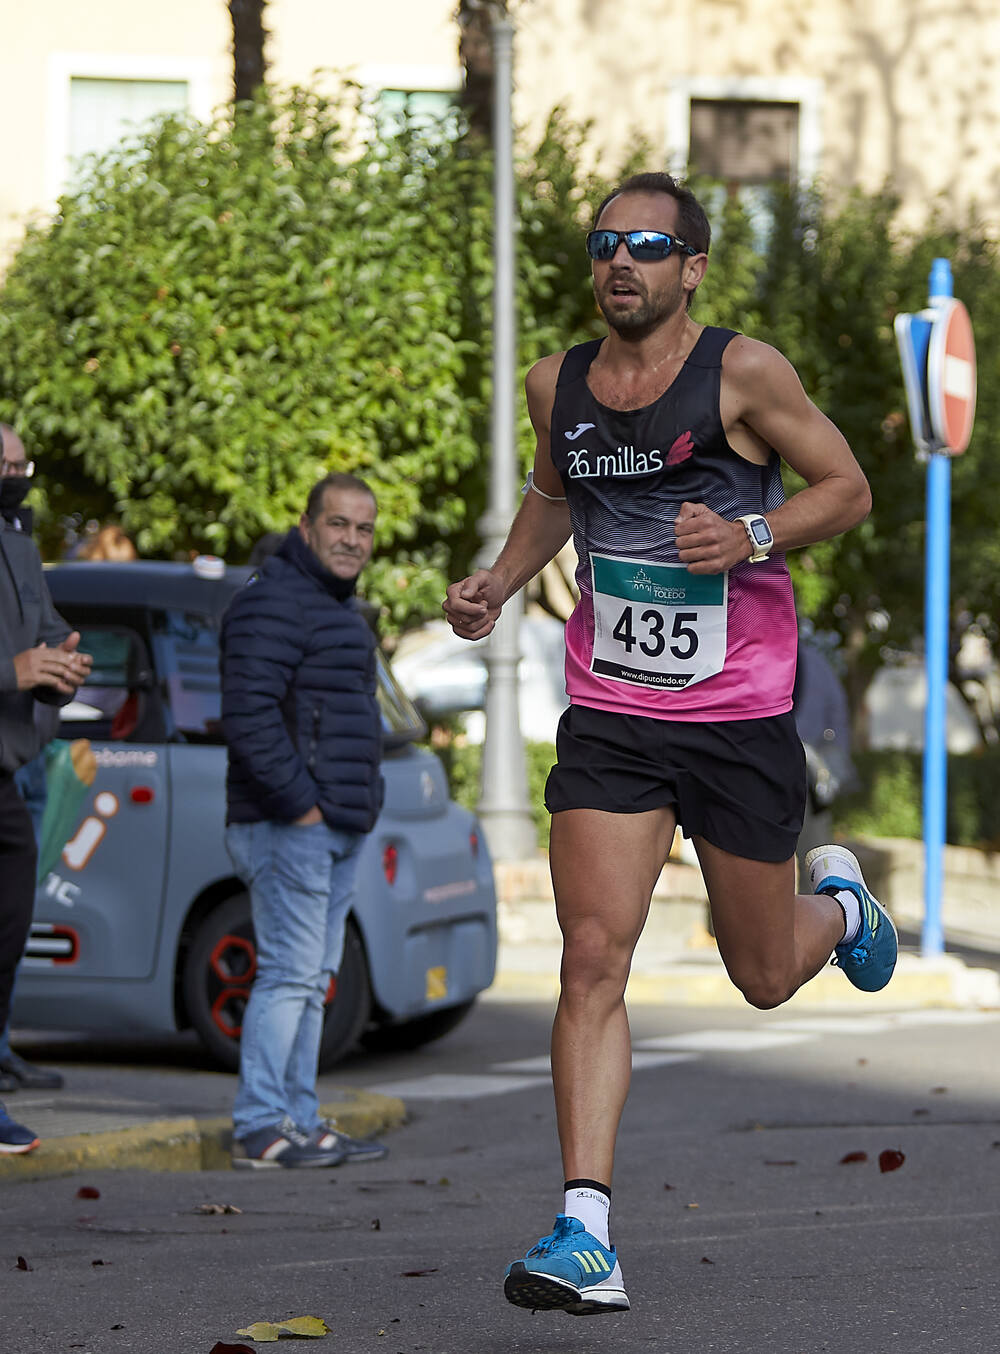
400 721
187 658
109 704
186 645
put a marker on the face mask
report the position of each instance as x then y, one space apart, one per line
13 490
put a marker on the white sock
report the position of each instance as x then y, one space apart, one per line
852 913
590 1207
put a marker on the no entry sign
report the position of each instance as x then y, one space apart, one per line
938 354
951 377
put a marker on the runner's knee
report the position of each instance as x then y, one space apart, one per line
592 954
766 989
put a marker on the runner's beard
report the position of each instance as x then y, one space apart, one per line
637 321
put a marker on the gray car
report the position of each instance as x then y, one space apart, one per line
140 924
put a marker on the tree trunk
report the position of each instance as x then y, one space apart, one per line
249 37
475 50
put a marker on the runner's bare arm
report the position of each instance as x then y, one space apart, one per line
764 405
538 532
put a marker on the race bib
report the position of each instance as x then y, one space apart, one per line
657 624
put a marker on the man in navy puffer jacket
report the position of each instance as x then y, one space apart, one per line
302 725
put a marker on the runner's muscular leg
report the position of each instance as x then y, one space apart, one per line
771 939
604 867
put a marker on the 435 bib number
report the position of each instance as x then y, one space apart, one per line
656 624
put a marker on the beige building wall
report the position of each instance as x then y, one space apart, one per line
901 91
906 91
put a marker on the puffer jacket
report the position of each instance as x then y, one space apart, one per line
299 712
27 619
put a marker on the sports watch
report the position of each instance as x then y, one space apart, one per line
759 534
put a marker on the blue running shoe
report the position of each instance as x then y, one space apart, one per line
569 1271
15 1138
868 959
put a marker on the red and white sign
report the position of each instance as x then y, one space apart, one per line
951 376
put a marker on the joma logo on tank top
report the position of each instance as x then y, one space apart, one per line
626 461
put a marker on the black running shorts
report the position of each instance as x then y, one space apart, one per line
740 784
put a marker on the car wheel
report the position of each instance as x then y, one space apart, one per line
219 970
411 1034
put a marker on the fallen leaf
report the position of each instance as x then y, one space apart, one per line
444 1180
220 1347
853 1156
98 1262
939 1090
668 1186
781 1163
119 1326
22 1263
218 1208
416 1273
917 1113
705 1260
376 1224
88 1192
298 1325
692 1205
890 1159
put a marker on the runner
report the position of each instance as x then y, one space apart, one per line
659 448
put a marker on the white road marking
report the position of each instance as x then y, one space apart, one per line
454 1086
724 1041
522 1074
836 1025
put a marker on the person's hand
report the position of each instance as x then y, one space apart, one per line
63 667
473 605
307 819
706 542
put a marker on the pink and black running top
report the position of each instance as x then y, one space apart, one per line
647 637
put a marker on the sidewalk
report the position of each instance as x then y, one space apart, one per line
170 1122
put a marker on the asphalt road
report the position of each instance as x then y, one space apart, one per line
739 1224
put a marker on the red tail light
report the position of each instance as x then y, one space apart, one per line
390 864
474 844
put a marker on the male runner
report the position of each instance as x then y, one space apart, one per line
658 447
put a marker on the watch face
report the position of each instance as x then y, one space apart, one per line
760 532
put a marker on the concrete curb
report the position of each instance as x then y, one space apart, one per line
941 982
183 1144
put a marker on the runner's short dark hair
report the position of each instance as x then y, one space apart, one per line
692 223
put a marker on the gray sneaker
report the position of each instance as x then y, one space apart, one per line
280 1145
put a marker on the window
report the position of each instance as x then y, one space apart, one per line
744 141
423 96
747 133
103 111
96 98
425 110
112 700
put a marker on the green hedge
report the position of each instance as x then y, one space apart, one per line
887 805
889 802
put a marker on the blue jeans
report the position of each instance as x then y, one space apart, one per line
301 882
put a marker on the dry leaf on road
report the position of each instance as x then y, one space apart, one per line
262 1331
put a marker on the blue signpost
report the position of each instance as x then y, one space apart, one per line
937 352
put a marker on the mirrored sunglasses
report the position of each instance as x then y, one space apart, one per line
645 246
